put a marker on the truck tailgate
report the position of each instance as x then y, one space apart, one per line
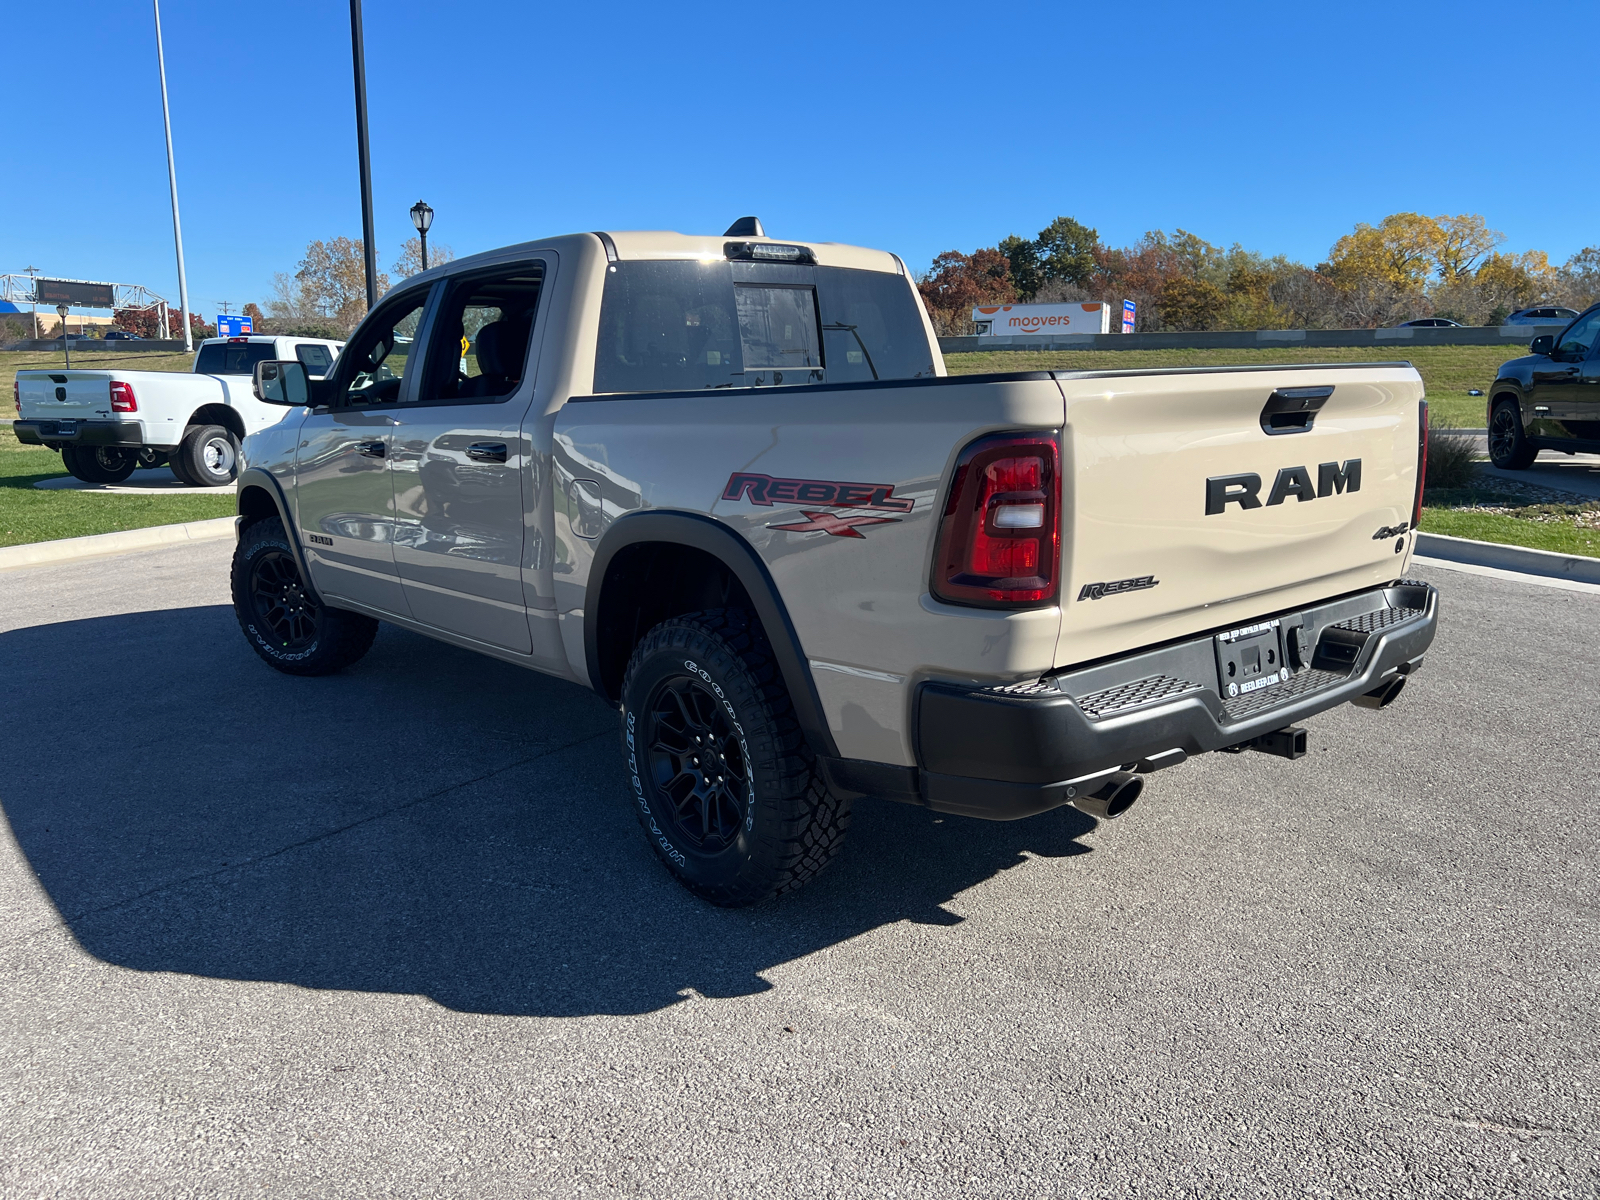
1148 554
69 395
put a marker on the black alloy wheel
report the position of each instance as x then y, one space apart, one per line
697 763
280 603
1508 444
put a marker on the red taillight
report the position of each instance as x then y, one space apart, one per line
1000 537
122 398
1422 462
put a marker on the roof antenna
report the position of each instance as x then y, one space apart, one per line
746 227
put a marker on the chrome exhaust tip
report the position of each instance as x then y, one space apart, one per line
1112 798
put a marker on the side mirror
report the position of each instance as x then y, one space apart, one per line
1542 344
282 383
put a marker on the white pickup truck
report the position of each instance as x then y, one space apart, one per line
107 423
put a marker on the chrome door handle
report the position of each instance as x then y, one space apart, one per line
370 449
487 452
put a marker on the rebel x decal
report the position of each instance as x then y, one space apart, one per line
828 523
766 491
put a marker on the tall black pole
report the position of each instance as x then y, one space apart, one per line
369 252
423 234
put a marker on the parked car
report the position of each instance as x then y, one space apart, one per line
1547 315
107 423
1430 323
726 483
1550 398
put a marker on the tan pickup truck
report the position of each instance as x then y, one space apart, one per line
726 483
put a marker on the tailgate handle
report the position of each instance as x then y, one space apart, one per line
1292 410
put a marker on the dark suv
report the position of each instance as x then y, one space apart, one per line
1549 399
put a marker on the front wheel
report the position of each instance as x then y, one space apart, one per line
728 791
279 617
1508 444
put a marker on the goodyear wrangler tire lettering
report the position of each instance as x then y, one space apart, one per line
727 791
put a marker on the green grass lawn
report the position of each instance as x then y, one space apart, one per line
1563 537
1447 371
30 515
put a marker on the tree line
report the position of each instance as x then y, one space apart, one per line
1406 266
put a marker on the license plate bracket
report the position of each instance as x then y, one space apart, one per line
1250 658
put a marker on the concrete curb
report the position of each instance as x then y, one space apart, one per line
1506 558
98 545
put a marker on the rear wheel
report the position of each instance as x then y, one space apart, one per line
724 783
99 464
208 456
279 617
1508 444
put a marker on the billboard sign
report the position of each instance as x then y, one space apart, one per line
72 292
1012 320
1129 311
233 325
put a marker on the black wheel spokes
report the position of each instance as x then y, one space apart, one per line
280 601
697 763
1501 437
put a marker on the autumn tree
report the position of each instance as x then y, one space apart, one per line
1186 302
253 311
332 282
959 282
410 261
1461 244
1400 251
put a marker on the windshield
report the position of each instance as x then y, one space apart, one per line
232 358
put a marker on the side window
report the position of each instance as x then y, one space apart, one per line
1579 339
382 354
479 345
315 359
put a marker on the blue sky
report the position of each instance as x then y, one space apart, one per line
912 127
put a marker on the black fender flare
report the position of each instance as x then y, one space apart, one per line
256 477
1512 388
703 533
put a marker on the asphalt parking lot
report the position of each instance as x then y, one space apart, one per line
395 933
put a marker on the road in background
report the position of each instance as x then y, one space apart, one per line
395 932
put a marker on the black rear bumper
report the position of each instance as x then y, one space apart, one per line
1013 751
78 433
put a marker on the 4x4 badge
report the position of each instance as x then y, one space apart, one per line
828 523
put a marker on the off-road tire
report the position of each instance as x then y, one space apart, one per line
788 825
280 620
1508 443
208 456
99 464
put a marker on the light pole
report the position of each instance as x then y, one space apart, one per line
66 346
359 54
172 183
422 218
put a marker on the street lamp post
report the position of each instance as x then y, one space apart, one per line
363 155
422 218
66 345
172 184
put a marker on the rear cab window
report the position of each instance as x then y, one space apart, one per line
233 358
681 325
315 359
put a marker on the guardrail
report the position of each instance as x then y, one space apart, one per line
97 345
1510 336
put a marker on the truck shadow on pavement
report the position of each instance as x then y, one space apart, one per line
429 822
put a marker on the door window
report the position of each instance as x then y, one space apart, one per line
382 354
481 336
1578 340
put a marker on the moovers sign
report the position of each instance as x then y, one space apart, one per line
1014 320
